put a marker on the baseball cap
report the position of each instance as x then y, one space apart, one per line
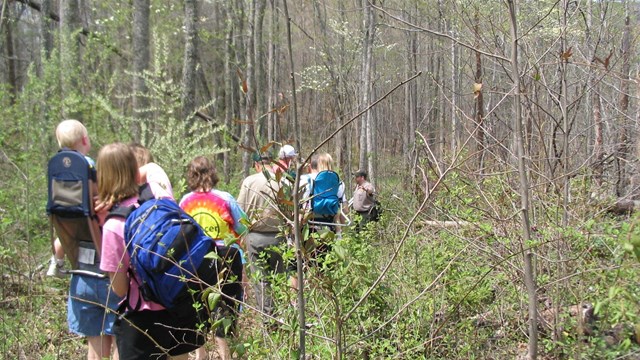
256 156
360 173
287 151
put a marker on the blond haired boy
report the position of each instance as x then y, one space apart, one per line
71 134
91 306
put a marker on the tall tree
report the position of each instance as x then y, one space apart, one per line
596 104
367 122
8 24
529 275
440 116
479 108
190 60
454 87
272 66
292 77
46 35
229 89
141 58
249 90
564 59
70 28
260 95
622 148
411 91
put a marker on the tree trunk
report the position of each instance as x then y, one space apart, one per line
367 57
272 61
190 61
8 25
529 275
441 115
46 28
565 118
248 136
622 148
70 28
454 91
141 59
229 89
478 93
596 108
292 77
598 144
258 68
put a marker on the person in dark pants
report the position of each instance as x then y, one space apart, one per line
364 202
257 198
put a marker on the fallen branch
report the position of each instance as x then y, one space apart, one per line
624 206
445 224
208 118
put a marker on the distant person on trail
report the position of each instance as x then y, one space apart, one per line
364 202
150 172
220 216
306 179
91 306
257 197
286 161
327 192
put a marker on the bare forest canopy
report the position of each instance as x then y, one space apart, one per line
229 63
510 127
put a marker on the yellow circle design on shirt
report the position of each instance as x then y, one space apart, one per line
209 224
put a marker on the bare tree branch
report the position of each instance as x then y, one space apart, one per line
443 35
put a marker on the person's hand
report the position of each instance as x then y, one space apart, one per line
102 210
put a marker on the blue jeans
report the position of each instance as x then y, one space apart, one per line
92 306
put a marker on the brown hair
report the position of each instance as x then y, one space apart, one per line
143 155
201 174
117 173
69 133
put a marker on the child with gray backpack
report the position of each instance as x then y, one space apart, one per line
71 186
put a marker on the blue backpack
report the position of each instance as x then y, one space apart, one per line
324 191
167 249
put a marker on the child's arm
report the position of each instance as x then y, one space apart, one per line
119 283
142 173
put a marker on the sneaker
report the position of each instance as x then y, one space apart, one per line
55 268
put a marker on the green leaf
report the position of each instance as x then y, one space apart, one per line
212 255
213 299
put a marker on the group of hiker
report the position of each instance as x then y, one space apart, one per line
138 267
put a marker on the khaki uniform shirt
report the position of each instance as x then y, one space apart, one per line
257 198
363 199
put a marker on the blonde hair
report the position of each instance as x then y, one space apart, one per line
117 173
325 162
69 133
142 154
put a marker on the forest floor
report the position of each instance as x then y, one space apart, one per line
450 293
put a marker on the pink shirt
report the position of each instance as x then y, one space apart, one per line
115 258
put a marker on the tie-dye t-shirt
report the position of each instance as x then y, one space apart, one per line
217 212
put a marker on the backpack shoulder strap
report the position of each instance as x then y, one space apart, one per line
337 177
122 212
145 193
